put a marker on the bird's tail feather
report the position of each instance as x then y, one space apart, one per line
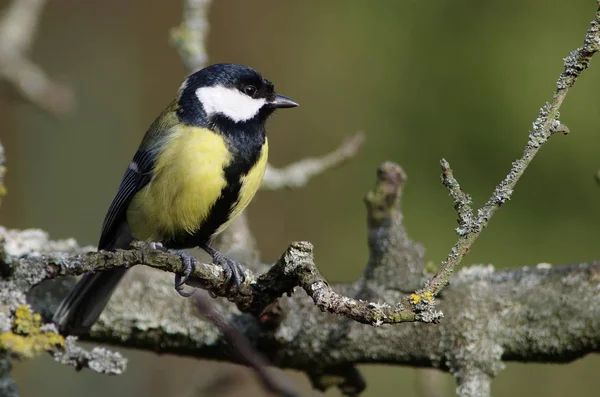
82 307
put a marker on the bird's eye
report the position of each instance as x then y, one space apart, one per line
249 90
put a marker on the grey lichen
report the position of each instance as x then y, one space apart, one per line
99 359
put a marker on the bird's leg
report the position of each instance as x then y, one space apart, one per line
188 263
234 271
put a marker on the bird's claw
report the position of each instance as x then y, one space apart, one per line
234 272
188 265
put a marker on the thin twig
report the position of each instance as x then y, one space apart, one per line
462 201
546 125
189 38
18 27
298 174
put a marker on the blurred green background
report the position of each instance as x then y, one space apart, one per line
425 79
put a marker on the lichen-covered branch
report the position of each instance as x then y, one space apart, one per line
547 314
546 125
295 268
23 335
99 359
18 26
532 314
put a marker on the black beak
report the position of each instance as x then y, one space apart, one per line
281 101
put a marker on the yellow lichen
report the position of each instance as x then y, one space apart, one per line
416 298
428 295
27 340
26 322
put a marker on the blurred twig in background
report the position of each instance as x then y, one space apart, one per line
189 38
298 174
18 27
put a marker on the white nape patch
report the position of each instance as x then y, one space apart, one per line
229 102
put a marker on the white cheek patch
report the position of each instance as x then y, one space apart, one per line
229 102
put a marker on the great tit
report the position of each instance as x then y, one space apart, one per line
198 166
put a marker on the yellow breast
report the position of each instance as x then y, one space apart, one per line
188 179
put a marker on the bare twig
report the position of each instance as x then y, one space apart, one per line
462 201
18 26
189 38
544 127
298 174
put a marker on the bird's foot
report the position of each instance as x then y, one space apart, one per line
189 264
235 274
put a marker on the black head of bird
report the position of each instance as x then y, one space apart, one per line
228 92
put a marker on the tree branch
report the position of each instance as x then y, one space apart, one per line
546 125
549 314
18 27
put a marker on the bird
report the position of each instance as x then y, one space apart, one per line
198 166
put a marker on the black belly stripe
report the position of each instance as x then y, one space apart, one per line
246 146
